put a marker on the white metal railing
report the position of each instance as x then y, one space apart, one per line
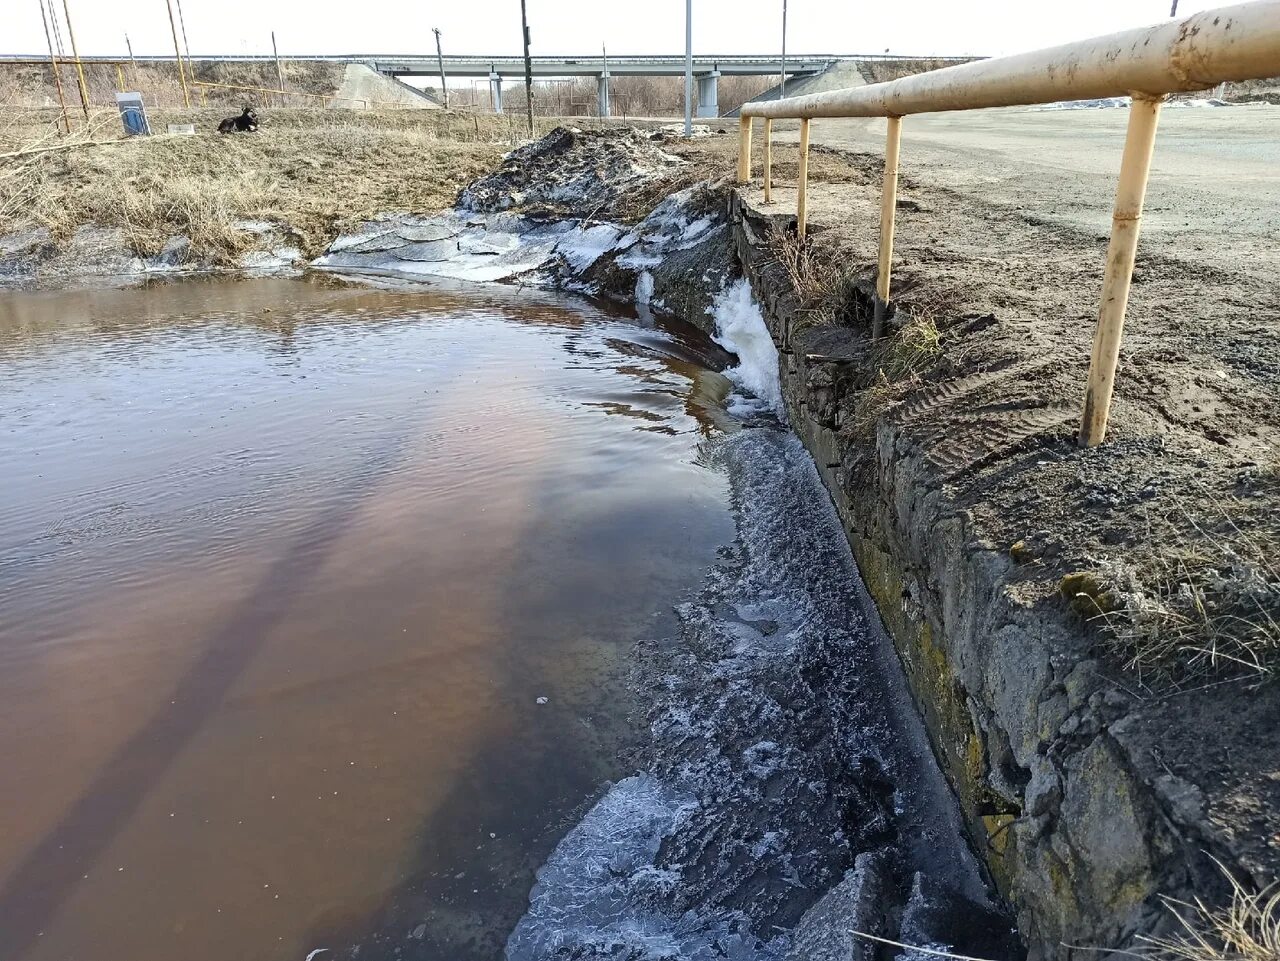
1235 43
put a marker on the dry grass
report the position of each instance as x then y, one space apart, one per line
1209 600
1246 929
316 171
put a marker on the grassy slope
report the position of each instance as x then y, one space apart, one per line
316 171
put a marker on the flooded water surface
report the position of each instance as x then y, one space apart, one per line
316 605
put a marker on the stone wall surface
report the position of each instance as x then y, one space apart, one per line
1047 752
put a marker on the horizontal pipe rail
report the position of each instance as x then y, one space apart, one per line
1240 42
1229 44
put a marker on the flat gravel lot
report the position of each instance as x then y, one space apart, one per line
1215 180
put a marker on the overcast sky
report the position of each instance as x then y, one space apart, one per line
581 26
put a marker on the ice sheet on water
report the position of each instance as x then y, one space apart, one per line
782 746
740 328
591 896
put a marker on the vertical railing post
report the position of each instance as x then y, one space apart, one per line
768 160
744 149
888 209
1135 165
802 188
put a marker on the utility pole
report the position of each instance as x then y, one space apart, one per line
182 22
279 66
53 62
782 78
182 74
688 68
1173 11
528 67
84 88
444 89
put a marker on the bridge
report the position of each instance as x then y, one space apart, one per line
707 70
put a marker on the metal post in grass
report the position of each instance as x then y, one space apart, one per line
768 160
888 207
75 52
528 68
1135 165
444 89
688 68
744 149
53 63
802 188
177 51
279 66
782 72
182 24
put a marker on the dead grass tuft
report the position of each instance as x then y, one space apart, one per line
1246 929
1209 600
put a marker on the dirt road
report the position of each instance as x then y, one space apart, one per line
1214 190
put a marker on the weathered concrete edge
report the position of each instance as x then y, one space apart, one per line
1079 834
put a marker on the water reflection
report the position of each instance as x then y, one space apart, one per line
285 568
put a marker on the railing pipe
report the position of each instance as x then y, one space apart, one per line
1240 42
1229 44
1139 144
888 208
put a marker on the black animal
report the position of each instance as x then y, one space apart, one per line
247 122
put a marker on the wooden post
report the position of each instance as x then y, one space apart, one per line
802 188
1135 165
888 207
53 62
744 150
84 87
182 73
768 161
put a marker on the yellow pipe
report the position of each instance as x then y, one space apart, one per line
888 207
84 88
802 188
1139 144
768 161
119 79
182 74
744 149
1240 42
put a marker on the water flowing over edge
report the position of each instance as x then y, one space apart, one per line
788 793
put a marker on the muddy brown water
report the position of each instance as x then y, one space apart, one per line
286 567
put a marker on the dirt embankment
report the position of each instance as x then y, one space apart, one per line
1093 634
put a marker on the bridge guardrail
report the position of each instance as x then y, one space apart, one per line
1227 44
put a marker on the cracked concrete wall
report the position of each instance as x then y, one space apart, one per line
1078 834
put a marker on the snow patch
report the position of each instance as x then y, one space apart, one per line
740 328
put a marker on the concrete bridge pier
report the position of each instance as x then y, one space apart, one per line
709 94
495 91
602 94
